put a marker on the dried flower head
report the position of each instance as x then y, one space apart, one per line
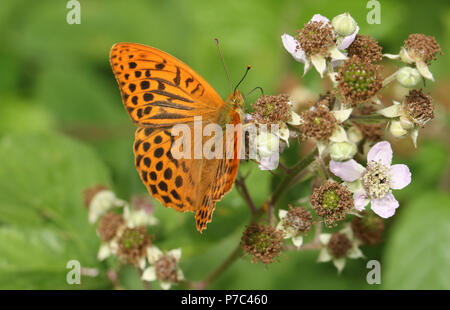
163 267
272 109
328 99
422 47
358 81
109 225
419 107
339 245
318 123
365 48
298 219
166 269
332 201
316 37
368 228
263 243
133 245
90 193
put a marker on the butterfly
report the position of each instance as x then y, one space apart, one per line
159 91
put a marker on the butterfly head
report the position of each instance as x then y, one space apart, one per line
236 100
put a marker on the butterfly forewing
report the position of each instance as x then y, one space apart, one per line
159 91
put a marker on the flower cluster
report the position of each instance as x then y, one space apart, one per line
347 124
123 232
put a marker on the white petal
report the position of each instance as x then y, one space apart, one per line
149 274
269 162
165 285
292 46
392 56
347 230
180 275
153 254
175 253
104 252
280 227
396 129
405 56
141 263
348 171
336 54
354 253
324 238
297 241
321 147
339 263
295 119
319 63
307 66
283 133
282 213
381 153
400 176
391 111
324 256
386 206
360 200
348 40
339 135
319 18
424 70
342 115
414 134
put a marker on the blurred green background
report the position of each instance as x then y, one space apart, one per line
63 128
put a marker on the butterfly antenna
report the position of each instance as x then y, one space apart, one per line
223 62
245 74
257 87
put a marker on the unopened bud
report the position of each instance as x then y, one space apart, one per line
354 134
408 77
344 24
341 151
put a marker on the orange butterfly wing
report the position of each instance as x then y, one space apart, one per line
160 91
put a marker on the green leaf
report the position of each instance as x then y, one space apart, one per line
41 196
417 255
37 259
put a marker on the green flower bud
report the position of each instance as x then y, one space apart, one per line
341 151
354 134
344 24
408 77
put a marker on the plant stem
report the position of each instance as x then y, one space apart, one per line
389 79
242 189
372 118
295 171
224 266
256 215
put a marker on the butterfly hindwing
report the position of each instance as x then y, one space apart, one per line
167 179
